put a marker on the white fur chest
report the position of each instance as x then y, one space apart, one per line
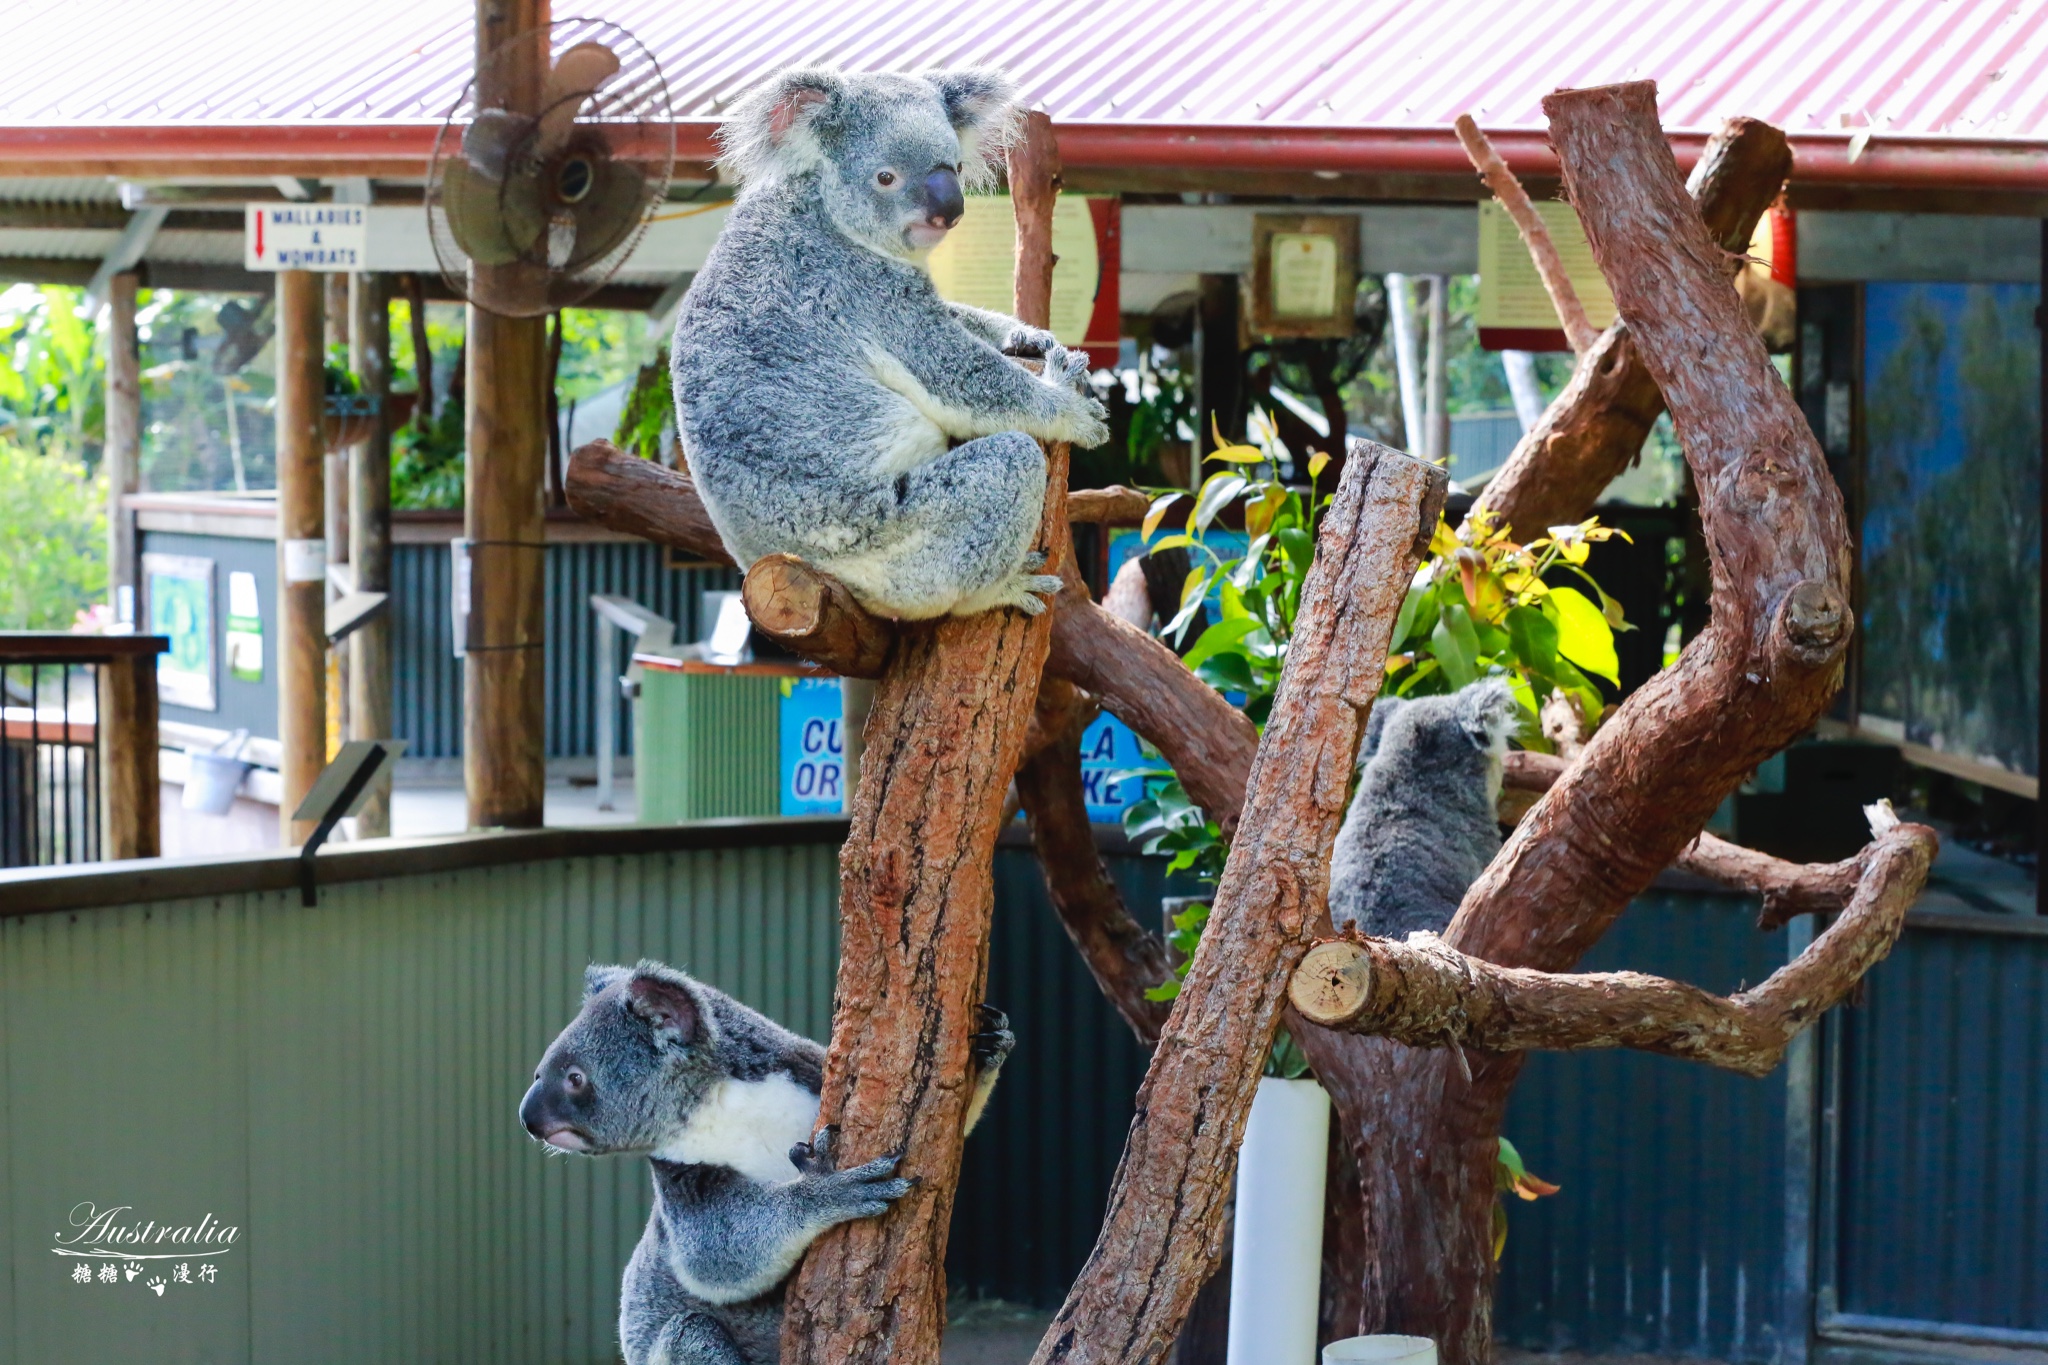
749 1126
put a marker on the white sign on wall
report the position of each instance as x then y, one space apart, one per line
331 237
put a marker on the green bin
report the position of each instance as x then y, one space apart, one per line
706 742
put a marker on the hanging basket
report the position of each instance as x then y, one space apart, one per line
349 419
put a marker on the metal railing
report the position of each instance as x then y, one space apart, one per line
78 741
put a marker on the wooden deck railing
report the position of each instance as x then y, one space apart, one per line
78 774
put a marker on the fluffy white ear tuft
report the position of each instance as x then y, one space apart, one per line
981 104
772 130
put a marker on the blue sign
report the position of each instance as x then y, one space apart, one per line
813 750
1108 748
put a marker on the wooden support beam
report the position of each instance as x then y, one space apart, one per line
301 544
369 529
504 710
1163 1232
131 808
122 458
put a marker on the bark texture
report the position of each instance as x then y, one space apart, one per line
1427 994
1162 1232
1597 426
642 498
915 893
1649 779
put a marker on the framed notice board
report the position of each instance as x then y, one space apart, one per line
1304 274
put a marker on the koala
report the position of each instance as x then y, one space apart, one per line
723 1102
1421 827
821 383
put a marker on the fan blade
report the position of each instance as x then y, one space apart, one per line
470 200
488 141
576 77
523 211
612 211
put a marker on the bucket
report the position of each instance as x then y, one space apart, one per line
213 778
1380 1350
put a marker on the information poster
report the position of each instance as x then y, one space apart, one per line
1514 308
244 638
179 590
1304 275
812 747
976 264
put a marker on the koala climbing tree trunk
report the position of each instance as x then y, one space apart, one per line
943 738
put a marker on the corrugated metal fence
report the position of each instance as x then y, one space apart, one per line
427 677
339 1082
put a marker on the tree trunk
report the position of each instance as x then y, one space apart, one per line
1424 1130
1162 1234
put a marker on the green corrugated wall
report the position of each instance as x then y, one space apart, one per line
718 736
341 1083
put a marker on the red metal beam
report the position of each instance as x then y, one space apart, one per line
395 148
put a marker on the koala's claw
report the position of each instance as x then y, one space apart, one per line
1033 562
1028 341
992 1044
1027 591
872 1187
818 1156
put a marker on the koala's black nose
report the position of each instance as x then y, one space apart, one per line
942 198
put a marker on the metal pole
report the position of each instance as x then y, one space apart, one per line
1401 313
301 547
1437 420
607 706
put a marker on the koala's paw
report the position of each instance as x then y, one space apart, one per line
993 1042
866 1191
1024 591
1026 340
820 1155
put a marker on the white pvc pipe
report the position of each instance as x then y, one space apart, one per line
1407 369
1522 386
1276 1249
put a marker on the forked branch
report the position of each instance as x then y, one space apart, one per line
1427 994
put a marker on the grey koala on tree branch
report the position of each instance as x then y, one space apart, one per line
722 1101
820 378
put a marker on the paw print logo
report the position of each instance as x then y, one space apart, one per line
132 1269
156 1285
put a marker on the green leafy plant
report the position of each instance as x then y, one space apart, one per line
1483 604
427 463
50 386
53 538
648 414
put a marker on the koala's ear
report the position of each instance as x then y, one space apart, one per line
1489 713
772 130
598 977
667 1005
981 105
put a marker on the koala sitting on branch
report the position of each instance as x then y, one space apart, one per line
1422 827
820 379
723 1102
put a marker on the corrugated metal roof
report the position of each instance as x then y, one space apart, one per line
1966 67
1909 70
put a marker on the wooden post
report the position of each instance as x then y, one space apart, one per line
127 731
301 547
369 529
123 455
503 701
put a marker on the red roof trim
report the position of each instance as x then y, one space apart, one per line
1989 164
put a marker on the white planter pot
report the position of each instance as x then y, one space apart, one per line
1380 1350
1276 1246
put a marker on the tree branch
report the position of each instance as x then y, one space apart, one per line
1126 958
1535 233
816 616
1596 428
1163 1229
1427 994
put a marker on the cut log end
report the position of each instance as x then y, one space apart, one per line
1333 985
816 616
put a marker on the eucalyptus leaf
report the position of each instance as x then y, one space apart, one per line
1456 645
1583 635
